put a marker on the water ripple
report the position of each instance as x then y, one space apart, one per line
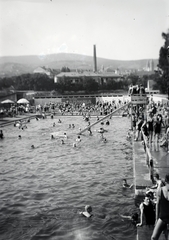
43 189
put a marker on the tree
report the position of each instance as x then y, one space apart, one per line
133 79
65 69
163 64
90 85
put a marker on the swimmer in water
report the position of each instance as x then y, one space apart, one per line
1 134
52 137
54 124
88 211
78 139
128 135
134 218
32 146
101 131
126 185
65 135
74 144
62 142
107 122
73 126
19 137
59 121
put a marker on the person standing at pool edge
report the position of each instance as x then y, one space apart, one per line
162 211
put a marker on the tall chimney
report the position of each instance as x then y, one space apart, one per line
94 58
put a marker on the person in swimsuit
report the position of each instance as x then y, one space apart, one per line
162 211
157 130
134 218
78 139
150 127
1 134
147 209
125 184
88 211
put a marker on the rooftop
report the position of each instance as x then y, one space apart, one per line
88 74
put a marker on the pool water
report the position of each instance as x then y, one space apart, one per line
43 189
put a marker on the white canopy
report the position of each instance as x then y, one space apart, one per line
7 101
23 100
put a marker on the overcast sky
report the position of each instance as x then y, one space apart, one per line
121 29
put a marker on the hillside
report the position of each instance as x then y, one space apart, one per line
12 66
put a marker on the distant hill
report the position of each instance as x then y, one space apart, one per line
17 65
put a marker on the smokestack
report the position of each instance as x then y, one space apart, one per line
94 58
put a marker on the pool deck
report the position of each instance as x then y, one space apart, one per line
142 178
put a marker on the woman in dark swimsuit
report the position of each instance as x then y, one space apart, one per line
162 211
147 210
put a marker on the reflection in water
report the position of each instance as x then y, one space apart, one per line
44 188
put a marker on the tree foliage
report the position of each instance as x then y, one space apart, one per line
163 65
65 69
37 82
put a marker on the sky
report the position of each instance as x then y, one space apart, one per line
120 29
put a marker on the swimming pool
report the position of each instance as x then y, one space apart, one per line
43 189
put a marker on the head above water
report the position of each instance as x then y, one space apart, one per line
88 208
149 195
124 180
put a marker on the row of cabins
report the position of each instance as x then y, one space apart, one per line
79 77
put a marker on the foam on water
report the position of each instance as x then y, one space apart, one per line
43 189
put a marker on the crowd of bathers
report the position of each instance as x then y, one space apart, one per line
81 108
152 124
